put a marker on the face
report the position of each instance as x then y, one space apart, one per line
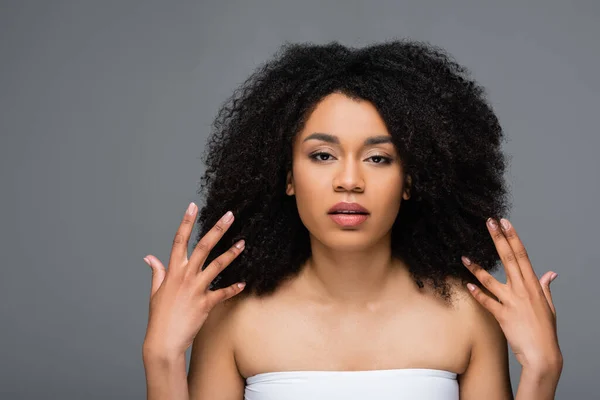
345 154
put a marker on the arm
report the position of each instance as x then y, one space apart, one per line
539 383
165 375
213 372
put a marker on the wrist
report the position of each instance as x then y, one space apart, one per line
550 363
547 373
159 354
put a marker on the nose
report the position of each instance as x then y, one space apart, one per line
349 177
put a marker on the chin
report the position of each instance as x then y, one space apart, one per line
348 240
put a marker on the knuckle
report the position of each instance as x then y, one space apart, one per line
522 254
479 295
230 291
189 273
220 295
487 281
218 264
187 221
204 303
509 258
219 228
497 235
178 238
484 300
478 271
202 245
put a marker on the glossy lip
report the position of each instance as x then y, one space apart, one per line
348 220
343 206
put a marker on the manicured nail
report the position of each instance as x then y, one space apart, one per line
241 285
505 224
228 217
492 223
147 261
553 277
471 286
191 208
466 260
240 244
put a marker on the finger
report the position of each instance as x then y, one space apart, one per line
486 279
182 237
208 241
158 273
217 296
507 256
486 301
523 261
545 283
220 263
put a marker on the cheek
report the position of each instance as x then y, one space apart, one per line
388 195
311 187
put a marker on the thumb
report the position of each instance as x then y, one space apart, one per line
545 281
158 273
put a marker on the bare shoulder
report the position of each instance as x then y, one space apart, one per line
213 372
488 369
472 312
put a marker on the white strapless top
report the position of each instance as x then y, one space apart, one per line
386 384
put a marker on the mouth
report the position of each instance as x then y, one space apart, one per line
348 214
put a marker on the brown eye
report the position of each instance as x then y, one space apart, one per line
385 160
322 153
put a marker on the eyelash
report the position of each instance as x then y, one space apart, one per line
386 160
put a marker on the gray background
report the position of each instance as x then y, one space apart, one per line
104 110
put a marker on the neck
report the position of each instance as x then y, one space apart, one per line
353 277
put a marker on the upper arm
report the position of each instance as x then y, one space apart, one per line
487 376
213 372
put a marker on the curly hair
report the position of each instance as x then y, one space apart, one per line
445 132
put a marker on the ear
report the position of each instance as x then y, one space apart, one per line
407 187
289 189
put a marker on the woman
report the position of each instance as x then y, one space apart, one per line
357 180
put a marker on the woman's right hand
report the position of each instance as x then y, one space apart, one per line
180 299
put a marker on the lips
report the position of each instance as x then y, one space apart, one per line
348 208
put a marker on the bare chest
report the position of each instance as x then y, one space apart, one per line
276 337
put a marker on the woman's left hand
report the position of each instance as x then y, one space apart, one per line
524 308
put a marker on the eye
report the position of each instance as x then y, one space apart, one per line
321 153
386 160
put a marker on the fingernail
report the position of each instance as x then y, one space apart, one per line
228 217
191 208
553 277
466 260
240 244
147 261
505 224
492 223
241 285
471 286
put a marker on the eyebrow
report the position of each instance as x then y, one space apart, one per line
326 137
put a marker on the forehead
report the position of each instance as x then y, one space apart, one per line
348 119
